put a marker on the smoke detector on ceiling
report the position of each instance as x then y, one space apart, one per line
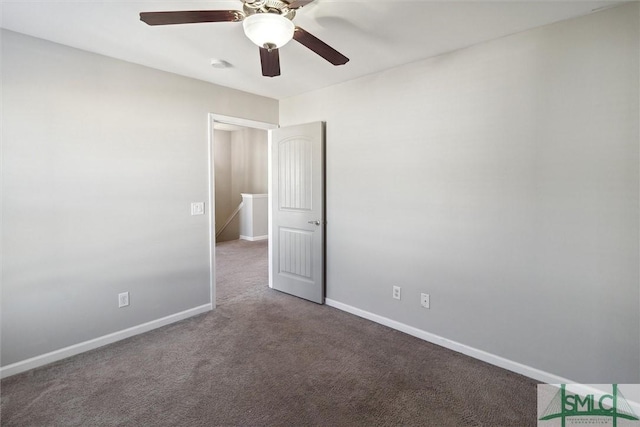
219 63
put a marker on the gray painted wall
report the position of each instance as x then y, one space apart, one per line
503 180
241 167
100 161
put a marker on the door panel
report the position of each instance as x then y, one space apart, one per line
297 216
295 174
296 248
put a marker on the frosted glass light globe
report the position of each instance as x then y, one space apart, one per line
268 30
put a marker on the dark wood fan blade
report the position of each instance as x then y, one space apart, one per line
319 47
190 17
295 4
270 60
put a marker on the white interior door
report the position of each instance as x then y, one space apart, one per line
297 211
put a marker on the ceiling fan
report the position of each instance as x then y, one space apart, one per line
267 23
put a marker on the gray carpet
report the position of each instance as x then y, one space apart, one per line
266 358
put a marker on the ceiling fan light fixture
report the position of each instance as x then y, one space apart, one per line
268 30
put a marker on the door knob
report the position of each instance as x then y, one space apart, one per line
316 222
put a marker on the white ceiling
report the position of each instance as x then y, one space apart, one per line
374 34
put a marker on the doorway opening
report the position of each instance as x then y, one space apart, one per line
238 196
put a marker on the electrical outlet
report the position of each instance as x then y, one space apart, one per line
425 300
197 208
396 292
123 299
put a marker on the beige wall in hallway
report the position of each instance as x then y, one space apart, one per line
241 167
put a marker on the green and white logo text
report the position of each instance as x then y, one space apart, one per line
590 408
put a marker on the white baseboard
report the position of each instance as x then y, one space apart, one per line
253 239
63 353
492 359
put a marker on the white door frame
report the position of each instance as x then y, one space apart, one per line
219 118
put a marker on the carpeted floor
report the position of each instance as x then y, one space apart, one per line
266 358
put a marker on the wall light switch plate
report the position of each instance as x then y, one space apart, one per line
197 208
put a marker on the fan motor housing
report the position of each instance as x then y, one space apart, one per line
251 7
